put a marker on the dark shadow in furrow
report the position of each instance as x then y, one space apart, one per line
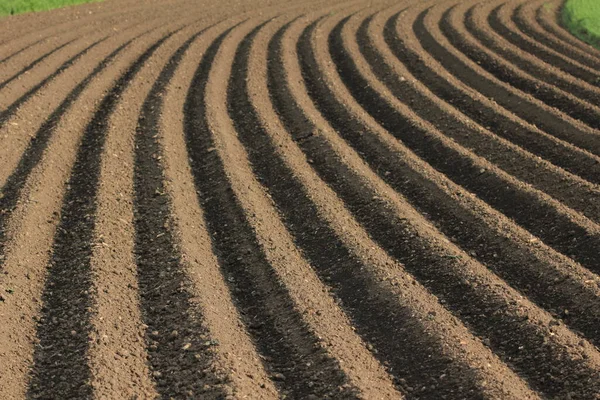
413 357
33 154
16 53
555 42
538 51
34 63
12 109
529 111
574 162
512 56
544 93
516 341
61 369
552 98
469 231
285 342
178 372
525 208
519 165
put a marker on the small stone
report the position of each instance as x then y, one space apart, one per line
187 346
278 376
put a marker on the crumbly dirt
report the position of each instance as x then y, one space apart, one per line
303 200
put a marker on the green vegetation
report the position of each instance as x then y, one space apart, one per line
582 18
10 7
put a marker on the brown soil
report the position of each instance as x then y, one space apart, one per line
301 200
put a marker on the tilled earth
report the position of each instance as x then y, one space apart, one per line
299 199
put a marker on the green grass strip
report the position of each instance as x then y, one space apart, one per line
11 7
582 18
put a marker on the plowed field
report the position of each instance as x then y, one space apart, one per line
304 200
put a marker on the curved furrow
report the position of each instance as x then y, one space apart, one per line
560 39
29 116
5 78
21 50
180 345
483 110
560 227
463 285
118 24
280 306
476 22
571 190
488 242
472 234
63 339
13 100
30 62
54 23
247 92
375 291
335 258
18 29
462 26
427 32
234 350
115 24
181 348
374 200
504 21
17 94
535 13
33 222
16 180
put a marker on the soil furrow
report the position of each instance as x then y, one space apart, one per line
515 72
33 222
37 61
234 352
12 189
180 353
426 31
20 51
486 113
32 112
542 216
32 225
503 21
182 367
319 244
302 200
12 106
523 165
469 292
61 22
27 73
474 228
346 266
64 326
475 21
560 39
287 345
